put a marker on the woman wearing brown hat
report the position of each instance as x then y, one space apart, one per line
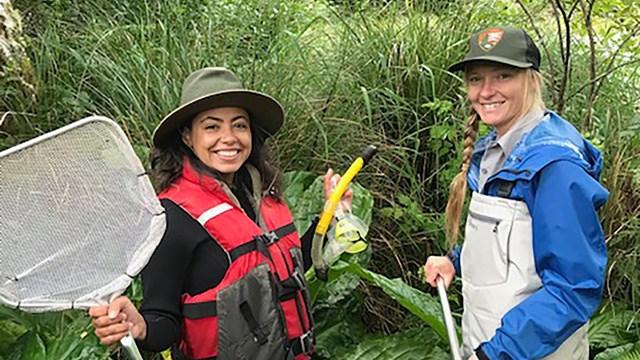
227 280
533 259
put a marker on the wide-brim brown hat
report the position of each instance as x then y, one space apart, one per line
216 87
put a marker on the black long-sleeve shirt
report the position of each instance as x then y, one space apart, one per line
187 260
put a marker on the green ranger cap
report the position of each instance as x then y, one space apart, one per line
505 45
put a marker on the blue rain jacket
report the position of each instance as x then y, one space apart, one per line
555 171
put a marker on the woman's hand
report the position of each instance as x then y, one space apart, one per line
114 321
473 357
439 266
330 182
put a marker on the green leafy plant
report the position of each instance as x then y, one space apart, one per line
624 352
305 192
401 346
49 336
615 328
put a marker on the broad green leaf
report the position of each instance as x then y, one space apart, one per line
420 304
295 184
338 286
337 290
339 326
395 347
305 197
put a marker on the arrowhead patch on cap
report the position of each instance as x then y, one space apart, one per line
488 39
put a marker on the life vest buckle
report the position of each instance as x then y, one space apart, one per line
295 282
269 238
306 342
299 280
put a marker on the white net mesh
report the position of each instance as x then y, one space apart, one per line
78 218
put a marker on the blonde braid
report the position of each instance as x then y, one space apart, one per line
459 183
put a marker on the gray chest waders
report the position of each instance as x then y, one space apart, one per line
499 272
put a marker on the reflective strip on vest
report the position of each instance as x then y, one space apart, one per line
213 212
499 272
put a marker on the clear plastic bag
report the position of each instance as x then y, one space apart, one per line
346 235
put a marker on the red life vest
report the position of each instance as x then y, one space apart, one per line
260 309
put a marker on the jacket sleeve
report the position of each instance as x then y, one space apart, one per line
570 257
454 257
162 287
187 260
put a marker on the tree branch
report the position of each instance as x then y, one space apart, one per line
601 76
587 11
566 54
557 19
574 6
631 35
552 71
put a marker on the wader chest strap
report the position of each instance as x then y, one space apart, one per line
504 189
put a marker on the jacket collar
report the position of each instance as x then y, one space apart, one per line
552 139
211 184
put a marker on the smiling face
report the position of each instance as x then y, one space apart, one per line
497 94
221 139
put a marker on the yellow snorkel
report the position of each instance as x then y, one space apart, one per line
321 267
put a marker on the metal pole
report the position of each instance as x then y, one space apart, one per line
448 320
130 348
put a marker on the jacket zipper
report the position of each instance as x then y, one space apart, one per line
486 218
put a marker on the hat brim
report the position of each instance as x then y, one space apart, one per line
265 113
497 59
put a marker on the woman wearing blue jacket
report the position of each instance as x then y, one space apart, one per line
534 256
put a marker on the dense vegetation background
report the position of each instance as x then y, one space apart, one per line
349 73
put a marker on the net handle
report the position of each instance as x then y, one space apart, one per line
129 346
448 320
